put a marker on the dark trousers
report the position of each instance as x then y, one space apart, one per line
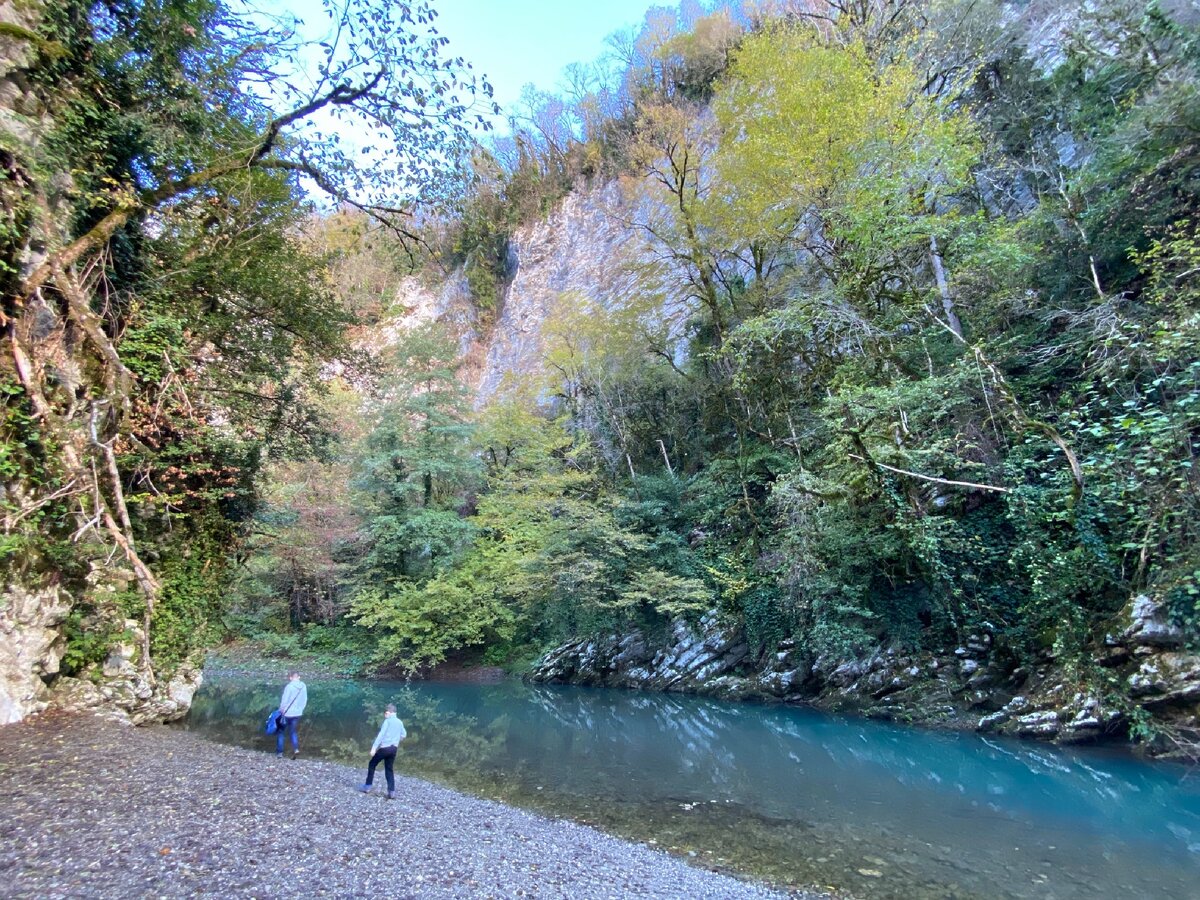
388 756
290 723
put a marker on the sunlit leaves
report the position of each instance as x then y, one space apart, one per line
812 128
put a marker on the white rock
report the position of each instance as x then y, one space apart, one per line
30 646
1150 625
1039 724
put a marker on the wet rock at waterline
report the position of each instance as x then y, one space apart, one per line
694 661
975 686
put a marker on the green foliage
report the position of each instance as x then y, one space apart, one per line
21 443
35 533
169 319
418 461
826 128
343 647
193 572
88 638
910 351
422 622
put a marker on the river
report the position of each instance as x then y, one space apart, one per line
784 793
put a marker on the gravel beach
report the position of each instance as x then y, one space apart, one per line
90 808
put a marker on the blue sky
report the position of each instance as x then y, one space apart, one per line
515 42
512 42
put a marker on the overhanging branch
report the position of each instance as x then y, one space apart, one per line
933 478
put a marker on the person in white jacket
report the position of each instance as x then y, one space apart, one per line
387 742
291 708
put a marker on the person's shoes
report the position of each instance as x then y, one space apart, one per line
295 753
391 795
279 754
365 788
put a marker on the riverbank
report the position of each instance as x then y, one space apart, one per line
93 808
1141 689
256 658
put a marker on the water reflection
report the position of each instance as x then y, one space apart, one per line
784 793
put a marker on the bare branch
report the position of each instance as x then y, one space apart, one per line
933 478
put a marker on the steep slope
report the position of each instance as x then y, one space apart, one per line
587 247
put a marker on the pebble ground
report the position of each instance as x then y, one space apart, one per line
90 808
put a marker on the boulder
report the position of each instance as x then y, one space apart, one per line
1150 625
1165 679
992 721
1003 715
731 687
120 662
780 684
1043 724
1086 719
132 699
847 673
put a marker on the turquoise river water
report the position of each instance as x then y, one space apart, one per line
797 797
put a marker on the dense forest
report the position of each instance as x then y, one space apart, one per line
910 352
167 312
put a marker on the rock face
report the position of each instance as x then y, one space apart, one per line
129 697
976 686
695 661
585 249
31 647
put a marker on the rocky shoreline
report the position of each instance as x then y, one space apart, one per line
92 808
1149 679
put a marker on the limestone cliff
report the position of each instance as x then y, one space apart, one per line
31 647
584 248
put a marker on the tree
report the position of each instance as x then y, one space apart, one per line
855 164
418 467
160 280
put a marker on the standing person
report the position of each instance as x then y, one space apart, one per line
387 742
291 708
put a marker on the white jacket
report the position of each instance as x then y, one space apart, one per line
391 733
294 699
